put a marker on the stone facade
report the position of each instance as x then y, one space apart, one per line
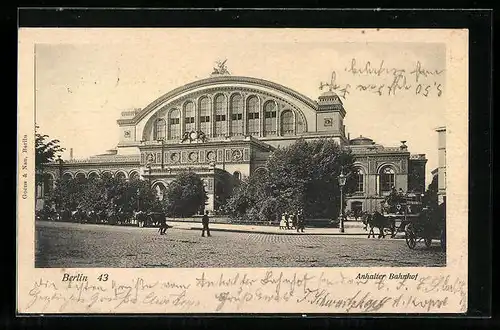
441 164
228 125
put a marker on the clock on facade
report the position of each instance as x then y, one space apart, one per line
126 134
328 121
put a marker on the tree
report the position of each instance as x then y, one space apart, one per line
46 150
185 195
430 198
303 175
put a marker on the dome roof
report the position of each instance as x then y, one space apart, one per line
361 140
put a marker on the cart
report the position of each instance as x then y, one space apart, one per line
427 226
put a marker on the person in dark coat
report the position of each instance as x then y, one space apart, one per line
300 221
204 221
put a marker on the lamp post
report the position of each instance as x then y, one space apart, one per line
342 181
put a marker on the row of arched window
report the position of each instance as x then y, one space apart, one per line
387 179
216 123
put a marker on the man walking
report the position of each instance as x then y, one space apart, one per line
300 221
205 221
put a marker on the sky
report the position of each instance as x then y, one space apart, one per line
82 86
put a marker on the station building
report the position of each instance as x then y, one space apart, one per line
227 126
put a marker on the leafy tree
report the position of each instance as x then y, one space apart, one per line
185 195
46 151
301 176
430 198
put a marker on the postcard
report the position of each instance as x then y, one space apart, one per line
220 170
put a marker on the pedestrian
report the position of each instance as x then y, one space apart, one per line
163 223
205 221
300 221
294 221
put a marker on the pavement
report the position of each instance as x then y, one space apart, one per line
350 229
74 245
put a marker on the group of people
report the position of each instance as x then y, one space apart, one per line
293 220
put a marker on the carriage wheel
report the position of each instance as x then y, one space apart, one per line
410 238
443 239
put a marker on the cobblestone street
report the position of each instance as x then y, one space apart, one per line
71 245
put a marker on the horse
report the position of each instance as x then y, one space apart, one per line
378 220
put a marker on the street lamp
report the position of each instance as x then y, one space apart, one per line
342 182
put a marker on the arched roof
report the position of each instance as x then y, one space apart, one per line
214 81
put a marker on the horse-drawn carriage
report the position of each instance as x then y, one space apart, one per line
404 213
429 225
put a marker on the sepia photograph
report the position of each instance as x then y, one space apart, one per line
240 153
220 170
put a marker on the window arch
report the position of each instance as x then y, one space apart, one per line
159 188
120 175
205 115
387 179
237 175
236 107
189 124
81 177
359 179
93 176
220 115
134 175
270 118
260 171
160 129
174 125
287 126
253 115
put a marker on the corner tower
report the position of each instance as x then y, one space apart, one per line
330 116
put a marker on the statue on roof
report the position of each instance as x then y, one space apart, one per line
220 68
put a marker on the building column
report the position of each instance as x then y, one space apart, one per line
228 115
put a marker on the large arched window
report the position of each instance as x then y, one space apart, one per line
236 115
220 115
359 179
81 178
134 176
205 115
189 124
120 176
287 127
387 179
160 190
301 125
93 176
270 118
160 129
174 125
253 115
